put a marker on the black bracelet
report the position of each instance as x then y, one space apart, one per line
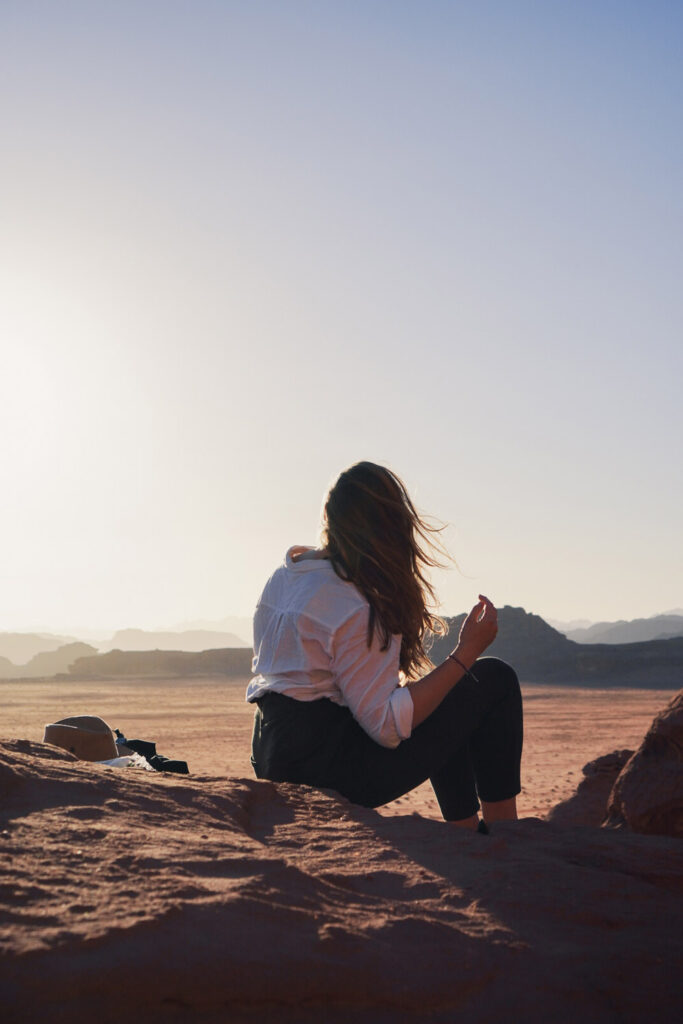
464 668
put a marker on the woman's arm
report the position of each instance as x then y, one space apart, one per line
477 632
367 678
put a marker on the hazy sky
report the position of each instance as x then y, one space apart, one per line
245 244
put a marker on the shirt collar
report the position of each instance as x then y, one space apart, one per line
306 564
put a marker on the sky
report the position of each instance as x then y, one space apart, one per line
247 244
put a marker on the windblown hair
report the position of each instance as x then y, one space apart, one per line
376 540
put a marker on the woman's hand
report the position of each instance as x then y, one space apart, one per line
477 631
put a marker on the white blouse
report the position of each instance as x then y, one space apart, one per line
310 641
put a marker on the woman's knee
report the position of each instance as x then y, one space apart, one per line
499 677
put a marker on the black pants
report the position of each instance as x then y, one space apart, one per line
470 745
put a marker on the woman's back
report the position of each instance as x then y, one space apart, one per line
310 641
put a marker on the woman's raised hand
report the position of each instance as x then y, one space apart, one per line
477 631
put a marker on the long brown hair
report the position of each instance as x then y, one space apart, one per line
376 539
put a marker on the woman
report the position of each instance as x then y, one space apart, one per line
338 645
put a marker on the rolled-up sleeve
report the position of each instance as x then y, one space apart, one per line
368 679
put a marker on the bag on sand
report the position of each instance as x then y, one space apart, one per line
91 739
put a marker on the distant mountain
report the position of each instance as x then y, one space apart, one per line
8 669
47 663
188 640
21 647
240 625
628 632
567 627
230 662
541 654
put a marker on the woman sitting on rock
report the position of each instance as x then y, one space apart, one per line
338 647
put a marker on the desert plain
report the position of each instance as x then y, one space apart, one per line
207 723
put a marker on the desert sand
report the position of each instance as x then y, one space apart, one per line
219 898
207 723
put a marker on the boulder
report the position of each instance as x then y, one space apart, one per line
647 796
588 805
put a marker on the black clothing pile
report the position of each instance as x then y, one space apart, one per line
148 750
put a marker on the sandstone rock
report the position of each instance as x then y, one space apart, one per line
184 899
647 796
588 805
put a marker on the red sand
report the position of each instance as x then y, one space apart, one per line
207 723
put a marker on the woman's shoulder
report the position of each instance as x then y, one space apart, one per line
333 600
308 585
